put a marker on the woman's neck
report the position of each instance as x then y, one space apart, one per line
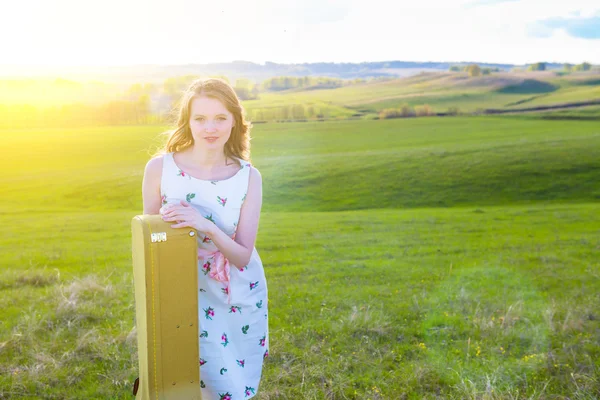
207 158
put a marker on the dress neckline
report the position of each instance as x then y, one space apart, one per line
242 163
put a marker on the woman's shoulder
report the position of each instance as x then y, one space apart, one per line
155 162
154 166
255 178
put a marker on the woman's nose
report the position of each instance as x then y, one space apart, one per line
209 126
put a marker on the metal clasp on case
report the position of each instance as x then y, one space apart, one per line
159 237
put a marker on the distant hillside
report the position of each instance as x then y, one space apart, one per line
67 103
443 92
239 69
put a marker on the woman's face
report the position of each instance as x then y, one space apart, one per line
210 122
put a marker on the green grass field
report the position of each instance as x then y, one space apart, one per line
406 259
589 113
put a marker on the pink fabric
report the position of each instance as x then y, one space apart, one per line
219 269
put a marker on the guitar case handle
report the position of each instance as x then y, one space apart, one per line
136 385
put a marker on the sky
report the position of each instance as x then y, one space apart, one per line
133 32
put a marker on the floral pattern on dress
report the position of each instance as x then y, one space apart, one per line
209 312
228 358
224 340
183 174
206 267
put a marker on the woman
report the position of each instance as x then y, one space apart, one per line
204 180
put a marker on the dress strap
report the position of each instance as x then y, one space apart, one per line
169 163
245 174
244 163
167 172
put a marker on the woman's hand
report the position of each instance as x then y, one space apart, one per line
187 216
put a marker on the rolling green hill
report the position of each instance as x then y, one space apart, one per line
441 90
329 166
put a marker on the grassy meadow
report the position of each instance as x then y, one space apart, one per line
441 91
427 258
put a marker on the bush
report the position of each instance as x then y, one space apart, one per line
298 111
540 66
404 111
473 70
424 110
453 111
243 93
582 67
389 113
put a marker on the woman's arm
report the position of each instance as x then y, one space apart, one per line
151 186
239 251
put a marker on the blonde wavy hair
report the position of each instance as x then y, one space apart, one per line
180 138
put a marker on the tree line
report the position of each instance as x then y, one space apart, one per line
476 70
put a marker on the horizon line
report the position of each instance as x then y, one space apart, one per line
264 63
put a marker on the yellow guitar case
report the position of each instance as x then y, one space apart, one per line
165 275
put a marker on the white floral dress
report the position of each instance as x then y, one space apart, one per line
233 317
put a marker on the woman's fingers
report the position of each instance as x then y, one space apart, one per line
170 210
178 213
172 218
165 209
172 214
